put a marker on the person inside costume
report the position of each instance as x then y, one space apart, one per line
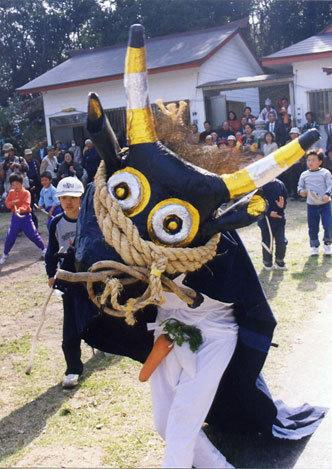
152 217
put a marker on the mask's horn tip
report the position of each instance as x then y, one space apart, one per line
136 36
95 110
309 138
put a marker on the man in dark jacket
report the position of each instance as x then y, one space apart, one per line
90 159
278 128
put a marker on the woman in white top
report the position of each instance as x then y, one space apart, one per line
269 145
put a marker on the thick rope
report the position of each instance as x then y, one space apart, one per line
120 233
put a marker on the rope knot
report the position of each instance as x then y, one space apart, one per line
120 233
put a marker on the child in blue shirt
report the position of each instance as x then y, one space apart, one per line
316 185
48 198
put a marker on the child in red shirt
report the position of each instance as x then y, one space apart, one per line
18 201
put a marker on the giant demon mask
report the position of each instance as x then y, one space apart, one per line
153 207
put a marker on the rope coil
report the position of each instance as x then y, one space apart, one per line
145 260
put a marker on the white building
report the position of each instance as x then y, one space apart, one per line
179 67
310 63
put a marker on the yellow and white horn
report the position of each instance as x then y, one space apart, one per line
266 169
140 122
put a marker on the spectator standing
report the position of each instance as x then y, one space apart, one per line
248 115
215 138
193 137
316 185
243 122
294 172
62 235
278 128
13 165
224 131
285 103
50 164
264 114
209 140
276 195
328 130
233 122
311 123
269 145
39 151
75 149
18 201
285 118
69 167
207 130
327 163
259 132
231 143
90 160
48 199
34 181
33 170
249 141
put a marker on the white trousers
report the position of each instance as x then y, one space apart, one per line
180 408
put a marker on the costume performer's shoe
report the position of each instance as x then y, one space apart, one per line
327 249
3 259
70 381
280 265
267 266
314 251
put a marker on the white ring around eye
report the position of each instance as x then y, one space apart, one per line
135 193
158 218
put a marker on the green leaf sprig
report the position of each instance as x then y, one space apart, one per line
179 332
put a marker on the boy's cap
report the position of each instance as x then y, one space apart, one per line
28 151
70 186
50 147
294 130
7 146
268 102
231 137
88 141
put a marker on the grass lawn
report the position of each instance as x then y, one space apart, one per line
107 420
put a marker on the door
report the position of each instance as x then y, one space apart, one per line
216 110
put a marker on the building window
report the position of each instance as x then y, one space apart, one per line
320 103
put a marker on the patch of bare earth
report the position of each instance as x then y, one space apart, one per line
107 421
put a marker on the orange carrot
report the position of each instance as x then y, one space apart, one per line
160 349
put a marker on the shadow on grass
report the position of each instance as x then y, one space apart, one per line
313 273
23 425
270 280
253 450
18 268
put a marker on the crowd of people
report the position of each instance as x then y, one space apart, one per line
263 134
43 167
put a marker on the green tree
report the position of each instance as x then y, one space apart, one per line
277 24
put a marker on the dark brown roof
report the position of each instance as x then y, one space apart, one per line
164 52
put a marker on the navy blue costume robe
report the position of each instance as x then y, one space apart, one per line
243 399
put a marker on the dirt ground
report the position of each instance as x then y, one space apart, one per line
106 422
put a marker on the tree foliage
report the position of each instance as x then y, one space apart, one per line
36 35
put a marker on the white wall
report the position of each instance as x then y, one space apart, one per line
232 61
309 76
169 86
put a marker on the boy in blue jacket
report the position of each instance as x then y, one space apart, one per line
274 223
61 239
